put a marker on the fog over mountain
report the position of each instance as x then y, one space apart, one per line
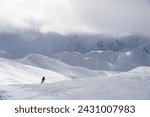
19 45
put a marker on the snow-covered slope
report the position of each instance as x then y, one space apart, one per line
76 59
106 60
16 73
132 59
47 63
129 85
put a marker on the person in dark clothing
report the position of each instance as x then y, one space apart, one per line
43 79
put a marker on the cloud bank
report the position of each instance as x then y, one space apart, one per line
65 16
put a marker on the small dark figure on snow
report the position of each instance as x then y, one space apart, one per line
43 79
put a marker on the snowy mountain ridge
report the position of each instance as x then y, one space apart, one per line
20 45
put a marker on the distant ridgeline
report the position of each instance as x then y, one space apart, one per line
18 45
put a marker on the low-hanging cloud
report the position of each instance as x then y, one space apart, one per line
100 16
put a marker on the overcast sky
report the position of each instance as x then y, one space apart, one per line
63 16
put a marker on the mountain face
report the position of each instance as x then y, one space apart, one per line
76 66
19 45
95 52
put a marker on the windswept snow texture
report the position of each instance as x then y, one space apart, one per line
75 66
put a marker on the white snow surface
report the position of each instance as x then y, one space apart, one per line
22 81
16 73
128 85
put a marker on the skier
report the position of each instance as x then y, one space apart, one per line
43 79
